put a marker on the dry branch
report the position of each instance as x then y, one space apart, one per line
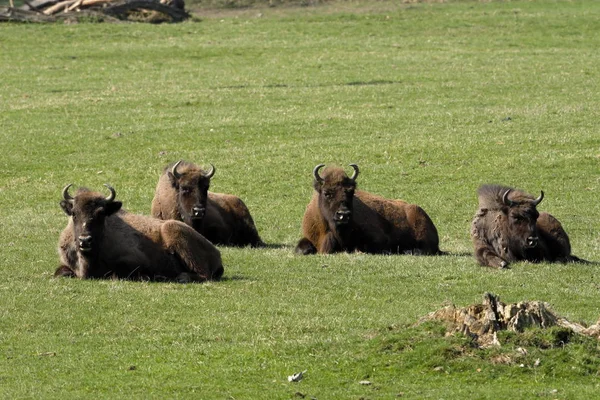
63 5
74 6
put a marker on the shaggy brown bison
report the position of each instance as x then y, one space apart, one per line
507 227
103 241
341 218
182 194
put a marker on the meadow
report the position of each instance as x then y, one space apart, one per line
431 100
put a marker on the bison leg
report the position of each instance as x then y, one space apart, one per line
329 244
65 272
187 277
305 247
487 257
197 254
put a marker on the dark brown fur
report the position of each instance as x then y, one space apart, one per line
103 241
223 218
341 218
505 232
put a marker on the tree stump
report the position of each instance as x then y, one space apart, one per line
483 321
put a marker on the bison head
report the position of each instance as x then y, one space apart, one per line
336 193
88 210
521 216
191 184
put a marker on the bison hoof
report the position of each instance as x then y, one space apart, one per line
184 277
504 265
64 272
305 247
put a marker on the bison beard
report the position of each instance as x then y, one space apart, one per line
103 241
507 228
341 218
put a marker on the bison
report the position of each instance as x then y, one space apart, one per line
341 218
102 240
507 227
182 194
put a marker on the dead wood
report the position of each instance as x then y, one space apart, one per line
61 6
8 14
75 5
37 4
122 11
102 10
483 321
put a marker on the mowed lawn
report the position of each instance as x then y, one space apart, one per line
430 100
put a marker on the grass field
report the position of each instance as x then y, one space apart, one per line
430 100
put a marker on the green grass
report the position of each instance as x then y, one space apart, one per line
430 100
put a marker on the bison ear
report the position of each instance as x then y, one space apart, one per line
113 207
174 181
317 185
67 207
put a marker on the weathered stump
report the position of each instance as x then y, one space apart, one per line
483 321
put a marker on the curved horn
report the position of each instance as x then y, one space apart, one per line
66 194
174 170
355 174
316 172
506 200
112 194
539 199
212 171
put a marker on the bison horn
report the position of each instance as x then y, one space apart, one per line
355 174
316 172
112 194
176 174
212 171
506 200
66 194
539 199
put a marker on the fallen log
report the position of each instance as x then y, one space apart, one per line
123 10
17 15
37 4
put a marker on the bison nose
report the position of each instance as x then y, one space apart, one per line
532 241
343 215
85 243
198 212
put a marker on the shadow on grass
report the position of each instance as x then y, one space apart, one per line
284 86
233 278
456 254
278 246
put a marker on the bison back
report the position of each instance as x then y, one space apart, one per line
164 203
